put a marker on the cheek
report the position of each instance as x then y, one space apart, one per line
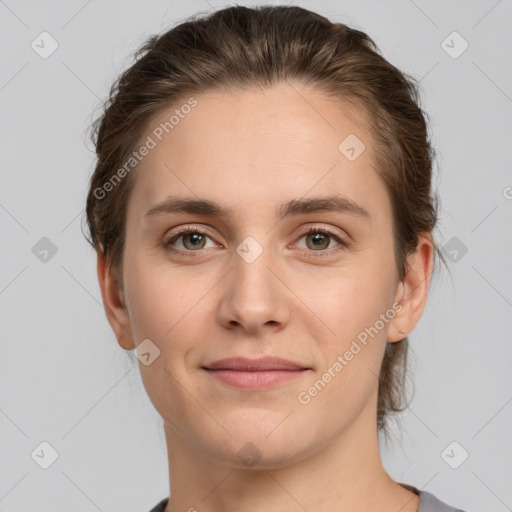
359 336
352 347
350 302
165 311
352 355
160 298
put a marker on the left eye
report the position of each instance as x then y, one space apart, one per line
318 238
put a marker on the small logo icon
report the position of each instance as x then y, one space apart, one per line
249 249
44 455
249 454
146 352
351 147
454 45
454 455
44 250
454 249
44 45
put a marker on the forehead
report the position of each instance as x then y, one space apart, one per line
257 147
254 122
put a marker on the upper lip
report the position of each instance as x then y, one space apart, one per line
262 363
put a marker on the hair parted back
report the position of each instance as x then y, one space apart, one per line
237 48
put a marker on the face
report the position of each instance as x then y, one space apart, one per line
250 281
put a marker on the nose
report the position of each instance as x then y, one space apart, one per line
254 296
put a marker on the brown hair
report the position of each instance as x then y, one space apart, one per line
240 47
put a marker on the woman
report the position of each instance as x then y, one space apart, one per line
262 213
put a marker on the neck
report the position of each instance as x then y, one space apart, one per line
346 474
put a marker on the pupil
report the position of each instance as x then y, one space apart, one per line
318 239
194 239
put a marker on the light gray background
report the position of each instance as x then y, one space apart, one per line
64 379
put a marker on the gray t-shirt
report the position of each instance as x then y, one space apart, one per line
428 502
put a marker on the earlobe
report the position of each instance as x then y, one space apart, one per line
114 304
413 289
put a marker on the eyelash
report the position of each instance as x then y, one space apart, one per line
321 253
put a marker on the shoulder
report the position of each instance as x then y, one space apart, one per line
161 506
429 503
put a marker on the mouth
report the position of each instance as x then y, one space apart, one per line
255 374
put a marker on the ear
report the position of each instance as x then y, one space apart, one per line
412 291
113 301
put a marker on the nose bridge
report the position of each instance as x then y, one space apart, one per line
251 265
255 295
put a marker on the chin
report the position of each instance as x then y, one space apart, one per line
258 448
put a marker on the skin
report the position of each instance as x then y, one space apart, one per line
250 151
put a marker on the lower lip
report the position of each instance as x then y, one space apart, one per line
261 379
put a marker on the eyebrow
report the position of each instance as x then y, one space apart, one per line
333 203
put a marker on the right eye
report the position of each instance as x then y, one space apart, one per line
193 240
